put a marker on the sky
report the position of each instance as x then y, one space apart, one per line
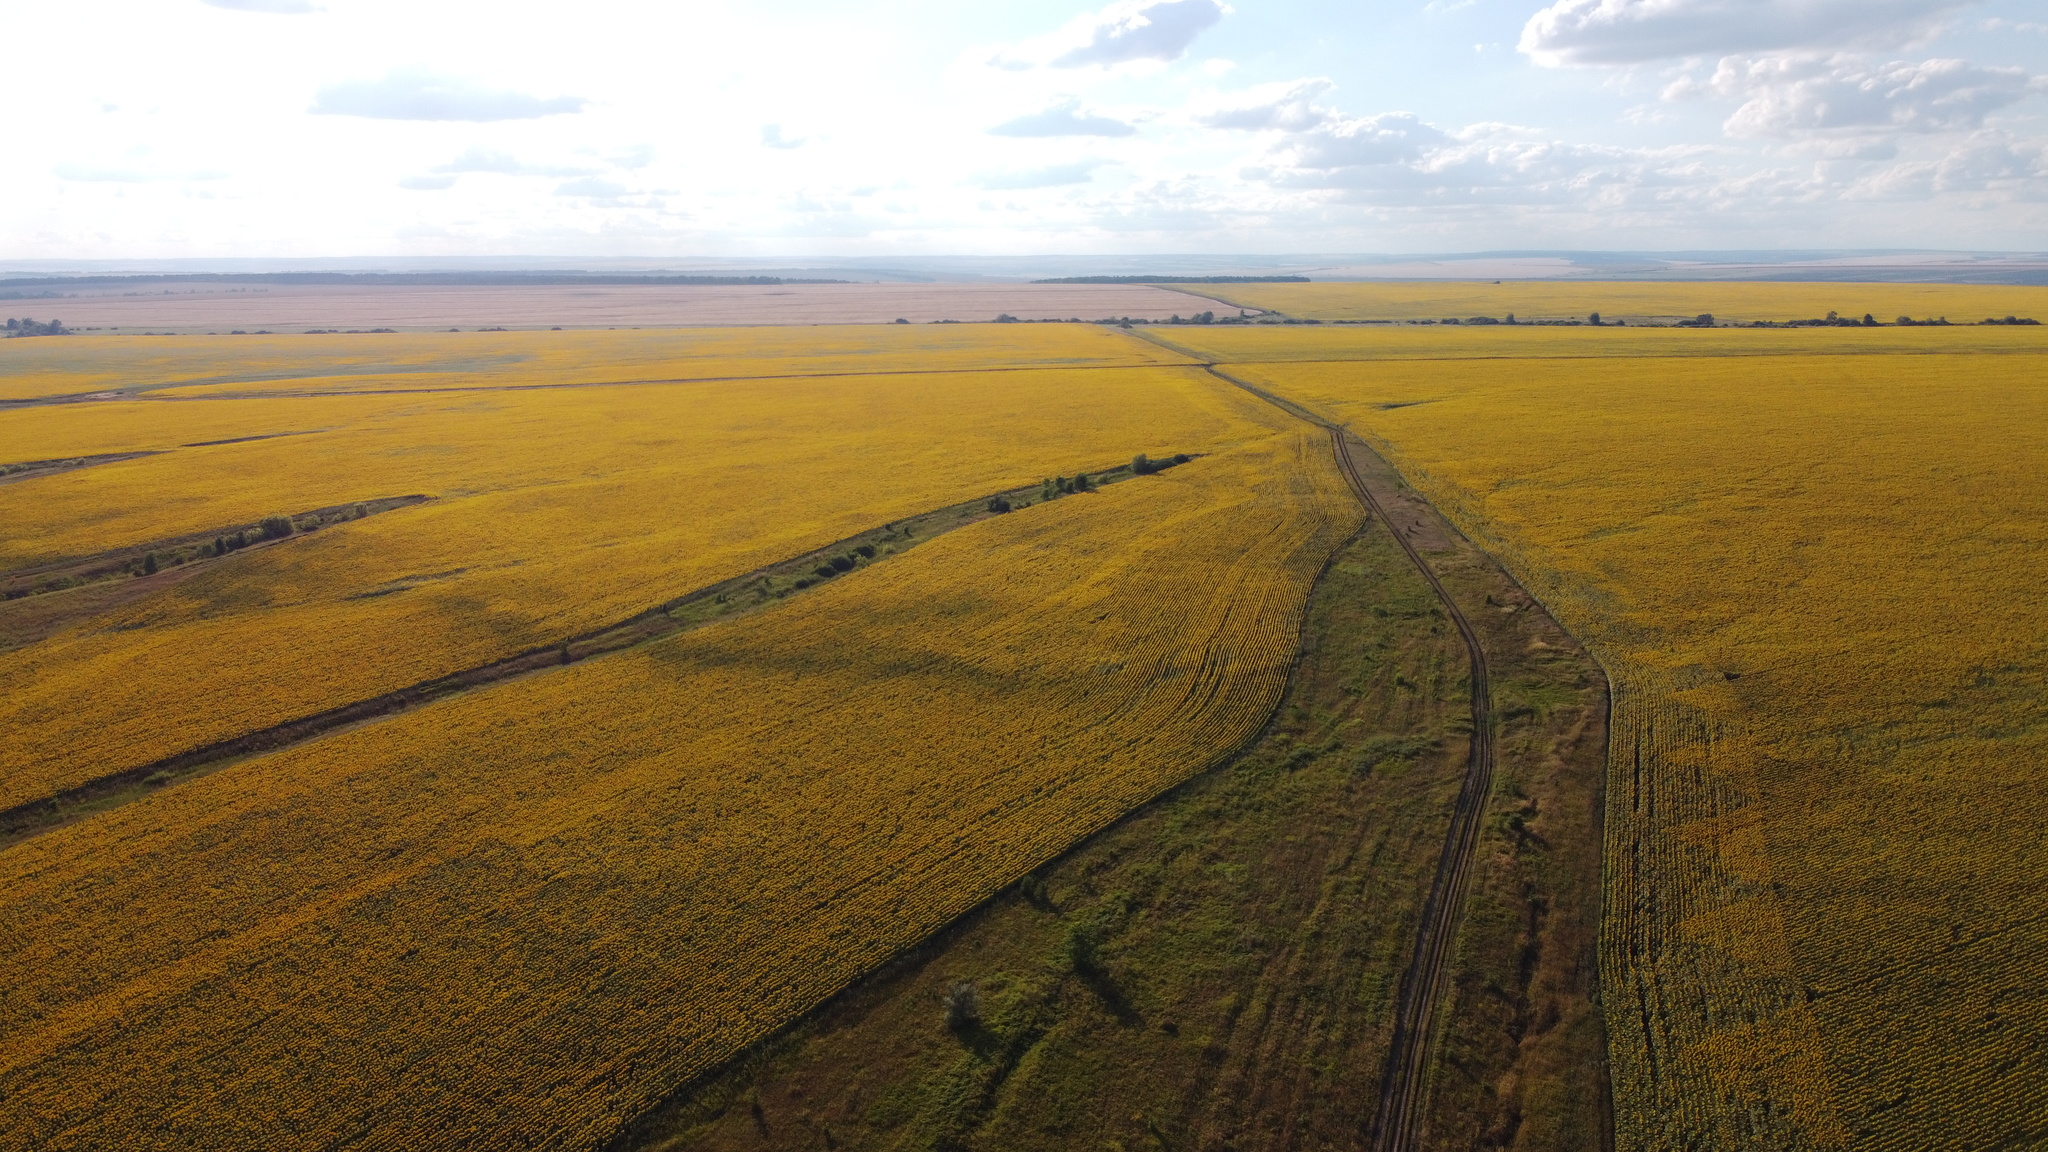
303 128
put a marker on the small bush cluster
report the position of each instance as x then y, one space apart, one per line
28 327
963 1006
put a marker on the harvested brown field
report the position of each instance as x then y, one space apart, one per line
227 306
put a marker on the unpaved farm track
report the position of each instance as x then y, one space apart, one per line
1403 1089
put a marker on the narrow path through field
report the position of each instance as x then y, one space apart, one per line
1403 1088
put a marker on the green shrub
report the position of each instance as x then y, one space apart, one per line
1081 483
867 551
276 527
1180 457
842 563
998 505
1141 465
1084 948
149 565
824 572
963 1006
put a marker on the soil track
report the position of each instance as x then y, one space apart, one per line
1415 1008
1403 1090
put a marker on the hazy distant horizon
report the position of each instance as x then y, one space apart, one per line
1895 265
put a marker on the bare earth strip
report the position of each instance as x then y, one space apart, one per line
224 307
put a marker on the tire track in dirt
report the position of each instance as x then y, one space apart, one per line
1403 1089
1415 1007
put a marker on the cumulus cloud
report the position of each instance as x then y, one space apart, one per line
1787 95
1398 160
414 94
1078 172
1063 119
1975 168
592 187
1577 32
280 7
1388 138
1286 106
1131 30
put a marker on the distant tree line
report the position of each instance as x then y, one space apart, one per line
28 327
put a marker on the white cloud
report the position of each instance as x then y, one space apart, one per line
427 183
415 94
279 7
1636 31
593 187
1793 94
2001 168
1287 106
1053 176
1384 139
1128 31
771 135
1062 119
129 174
504 164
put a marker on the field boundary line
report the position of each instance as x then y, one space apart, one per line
701 606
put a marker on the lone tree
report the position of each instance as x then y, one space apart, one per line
998 505
1141 465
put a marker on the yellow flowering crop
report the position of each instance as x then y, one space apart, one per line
199 365
1292 344
555 512
1550 299
1815 582
515 917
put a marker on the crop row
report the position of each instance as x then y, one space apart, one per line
514 918
203 365
1812 587
613 500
